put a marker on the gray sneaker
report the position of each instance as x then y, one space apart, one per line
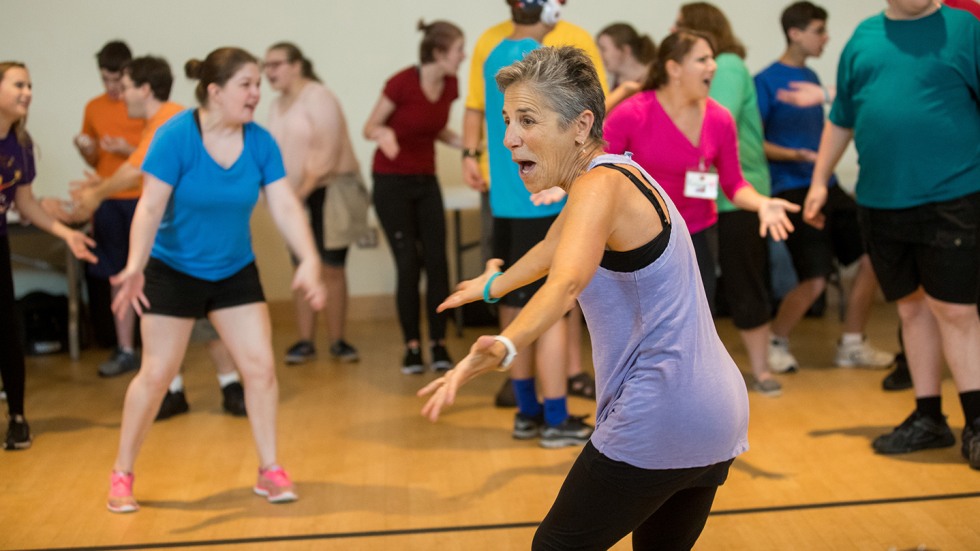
527 427
768 387
971 443
120 362
573 431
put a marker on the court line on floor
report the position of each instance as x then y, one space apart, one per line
486 527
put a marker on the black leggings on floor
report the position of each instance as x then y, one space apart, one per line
411 212
12 369
603 500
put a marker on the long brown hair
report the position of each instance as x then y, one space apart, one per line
705 17
19 127
294 54
673 48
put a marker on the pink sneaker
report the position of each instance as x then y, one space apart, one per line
121 498
274 485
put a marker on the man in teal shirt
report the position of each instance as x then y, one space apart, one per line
908 85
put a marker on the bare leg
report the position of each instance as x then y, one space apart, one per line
549 359
305 317
247 332
574 358
923 347
795 304
959 326
861 297
164 344
335 280
125 327
223 362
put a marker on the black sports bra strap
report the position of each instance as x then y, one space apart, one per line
646 191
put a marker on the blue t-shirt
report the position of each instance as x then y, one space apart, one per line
205 229
909 89
16 169
508 196
787 125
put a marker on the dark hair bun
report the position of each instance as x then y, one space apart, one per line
193 68
422 26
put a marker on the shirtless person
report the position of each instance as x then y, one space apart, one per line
311 130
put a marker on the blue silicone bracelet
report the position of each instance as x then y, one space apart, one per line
486 289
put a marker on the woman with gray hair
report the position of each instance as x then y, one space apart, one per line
672 409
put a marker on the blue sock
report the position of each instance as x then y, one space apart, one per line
555 411
527 396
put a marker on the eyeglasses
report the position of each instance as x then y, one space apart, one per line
273 64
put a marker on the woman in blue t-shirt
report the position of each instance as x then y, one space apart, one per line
191 256
16 174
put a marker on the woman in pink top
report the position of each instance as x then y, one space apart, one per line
687 142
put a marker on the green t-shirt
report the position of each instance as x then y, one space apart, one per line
909 90
734 88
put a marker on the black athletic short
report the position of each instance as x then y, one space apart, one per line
174 293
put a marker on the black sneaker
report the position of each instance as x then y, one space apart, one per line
899 378
233 399
573 431
971 443
300 353
526 426
18 434
918 432
120 362
343 351
505 396
441 362
412 363
174 403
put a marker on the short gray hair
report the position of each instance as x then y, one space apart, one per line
567 80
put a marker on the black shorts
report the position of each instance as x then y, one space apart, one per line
174 293
933 246
512 239
110 230
743 257
813 250
314 206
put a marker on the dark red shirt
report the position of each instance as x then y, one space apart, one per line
416 122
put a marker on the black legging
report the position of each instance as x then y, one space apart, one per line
411 212
603 500
12 369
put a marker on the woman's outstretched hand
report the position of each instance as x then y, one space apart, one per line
471 290
773 219
484 356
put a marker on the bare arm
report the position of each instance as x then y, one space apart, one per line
575 250
31 209
290 218
376 130
779 153
451 138
472 136
833 144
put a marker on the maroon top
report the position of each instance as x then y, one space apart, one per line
416 122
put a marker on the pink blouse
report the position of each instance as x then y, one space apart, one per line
641 126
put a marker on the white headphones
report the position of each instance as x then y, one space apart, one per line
551 12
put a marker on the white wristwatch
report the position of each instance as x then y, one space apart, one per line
511 352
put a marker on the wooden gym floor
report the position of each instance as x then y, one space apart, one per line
372 474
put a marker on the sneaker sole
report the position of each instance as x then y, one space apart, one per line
123 508
526 435
855 365
555 443
18 446
284 497
931 446
413 369
442 367
297 360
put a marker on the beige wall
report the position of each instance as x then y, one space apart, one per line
355 46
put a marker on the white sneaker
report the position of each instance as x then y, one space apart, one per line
862 354
781 360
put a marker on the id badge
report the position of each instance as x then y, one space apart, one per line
701 185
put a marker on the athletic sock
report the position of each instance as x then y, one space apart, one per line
931 406
177 385
225 379
851 338
555 411
526 393
971 406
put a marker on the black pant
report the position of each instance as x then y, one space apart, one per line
603 500
411 212
12 370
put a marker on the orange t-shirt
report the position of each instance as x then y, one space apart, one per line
105 116
164 114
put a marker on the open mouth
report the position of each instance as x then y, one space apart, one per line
526 167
